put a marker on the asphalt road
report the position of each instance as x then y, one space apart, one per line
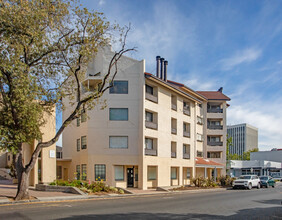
229 204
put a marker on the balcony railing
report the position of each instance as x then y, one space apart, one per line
173 130
215 110
215 127
186 134
173 154
151 125
215 143
151 152
151 97
173 107
186 111
186 156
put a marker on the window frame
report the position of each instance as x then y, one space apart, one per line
112 88
83 147
118 137
104 169
117 179
111 119
83 171
78 146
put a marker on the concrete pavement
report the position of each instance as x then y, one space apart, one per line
228 204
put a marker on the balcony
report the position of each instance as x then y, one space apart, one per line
151 97
186 111
215 110
173 154
215 127
173 107
150 152
173 130
152 125
186 134
186 156
215 143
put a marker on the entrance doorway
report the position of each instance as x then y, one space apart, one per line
130 177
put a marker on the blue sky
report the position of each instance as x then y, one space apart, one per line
209 44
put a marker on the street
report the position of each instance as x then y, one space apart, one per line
230 204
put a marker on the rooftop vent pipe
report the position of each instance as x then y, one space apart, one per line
165 70
162 68
158 66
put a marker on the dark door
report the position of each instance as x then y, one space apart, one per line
130 177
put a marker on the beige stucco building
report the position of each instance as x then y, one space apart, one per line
44 170
152 131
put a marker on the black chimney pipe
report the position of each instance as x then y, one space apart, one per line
158 66
165 70
162 68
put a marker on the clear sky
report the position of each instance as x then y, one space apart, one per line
209 44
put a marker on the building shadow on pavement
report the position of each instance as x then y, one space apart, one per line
274 213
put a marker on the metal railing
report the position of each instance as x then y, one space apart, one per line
215 127
173 154
152 125
151 97
173 107
151 152
173 130
186 134
186 156
215 110
186 111
215 143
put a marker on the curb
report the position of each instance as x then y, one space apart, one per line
85 197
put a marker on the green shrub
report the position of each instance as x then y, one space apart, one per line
120 191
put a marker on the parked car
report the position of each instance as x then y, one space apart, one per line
276 176
247 182
267 181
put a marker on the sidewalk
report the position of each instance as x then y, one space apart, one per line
9 190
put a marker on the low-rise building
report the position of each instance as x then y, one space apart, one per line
151 133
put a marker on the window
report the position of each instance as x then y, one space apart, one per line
78 122
188 173
83 142
200 120
77 144
173 174
149 89
118 142
149 143
200 137
100 172
119 87
214 154
119 174
84 171
119 114
59 172
78 172
186 149
83 117
152 173
149 116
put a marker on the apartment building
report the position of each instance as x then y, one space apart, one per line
215 129
44 170
150 134
244 138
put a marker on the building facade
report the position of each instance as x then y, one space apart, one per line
244 138
150 134
44 170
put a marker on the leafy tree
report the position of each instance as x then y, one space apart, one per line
45 46
246 155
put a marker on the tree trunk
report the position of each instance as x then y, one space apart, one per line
23 184
23 177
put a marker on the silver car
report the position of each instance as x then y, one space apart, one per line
247 182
